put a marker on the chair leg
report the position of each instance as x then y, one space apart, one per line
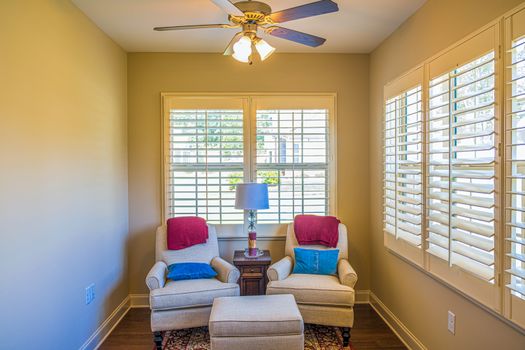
346 336
157 339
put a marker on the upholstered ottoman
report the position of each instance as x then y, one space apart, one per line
256 322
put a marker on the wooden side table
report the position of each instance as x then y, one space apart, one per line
253 272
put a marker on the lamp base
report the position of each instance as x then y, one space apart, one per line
258 253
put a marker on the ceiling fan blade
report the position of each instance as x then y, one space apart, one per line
229 49
195 26
228 7
303 11
294 35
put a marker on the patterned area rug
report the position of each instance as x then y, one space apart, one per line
315 338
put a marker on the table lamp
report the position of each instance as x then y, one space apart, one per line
252 196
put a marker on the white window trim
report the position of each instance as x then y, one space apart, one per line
238 231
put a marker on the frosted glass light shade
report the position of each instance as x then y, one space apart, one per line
241 58
251 196
242 49
264 49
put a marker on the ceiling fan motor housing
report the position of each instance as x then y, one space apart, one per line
254 8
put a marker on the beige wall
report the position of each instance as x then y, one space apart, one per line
420 302
149 74
63 175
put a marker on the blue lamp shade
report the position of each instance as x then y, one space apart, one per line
251 196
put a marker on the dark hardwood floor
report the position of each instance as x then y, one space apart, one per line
369 332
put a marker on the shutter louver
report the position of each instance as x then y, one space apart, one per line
205 162
403 133
292 158
515 168
461 167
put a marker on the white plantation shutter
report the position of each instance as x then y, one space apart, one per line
294 156
206 161
403 166
213 142
462 166
204 157
515 168
403 162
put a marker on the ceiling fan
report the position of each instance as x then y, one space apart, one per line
254 15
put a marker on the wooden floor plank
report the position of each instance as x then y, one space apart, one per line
369 332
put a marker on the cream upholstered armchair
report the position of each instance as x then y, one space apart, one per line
187 303
322 299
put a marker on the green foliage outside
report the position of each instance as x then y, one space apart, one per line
270 177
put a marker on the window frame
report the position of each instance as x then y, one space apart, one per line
306 100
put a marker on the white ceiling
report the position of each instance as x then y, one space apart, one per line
358 27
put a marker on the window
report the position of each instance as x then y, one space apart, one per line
212 143
292 157
515 169
206 155
403 162
472 236
461 167
441 198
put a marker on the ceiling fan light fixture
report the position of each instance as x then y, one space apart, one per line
242 49
264 49
241 58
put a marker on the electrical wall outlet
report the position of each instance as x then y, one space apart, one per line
451 322
90 293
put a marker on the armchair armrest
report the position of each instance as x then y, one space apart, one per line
347 274
281 269
156 277
226 272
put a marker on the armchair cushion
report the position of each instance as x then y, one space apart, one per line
281 269
314 290
190 271
156 276
347 274
226 272
190 293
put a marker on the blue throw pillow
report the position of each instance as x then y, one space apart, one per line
317 262
190 271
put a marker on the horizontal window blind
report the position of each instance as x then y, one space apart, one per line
461 164
292 158
403 135
515 166
206 161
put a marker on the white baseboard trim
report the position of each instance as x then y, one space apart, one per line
395 324
362 296
139 300
105 329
